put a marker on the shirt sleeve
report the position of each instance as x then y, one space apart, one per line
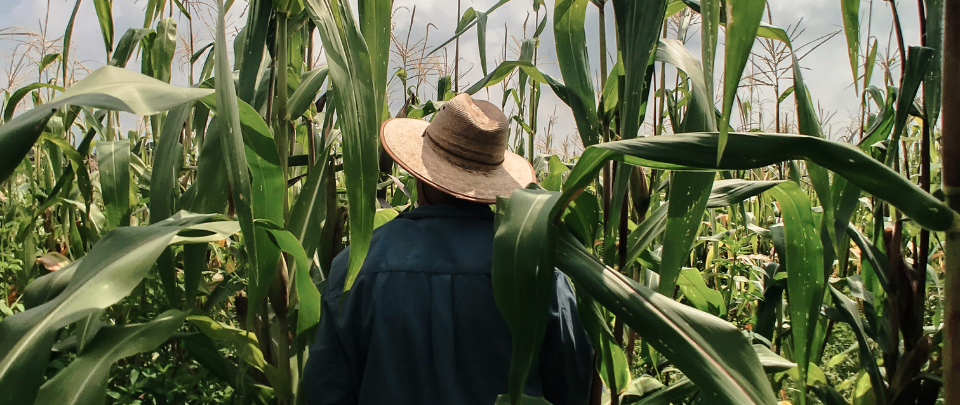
566 356
327 377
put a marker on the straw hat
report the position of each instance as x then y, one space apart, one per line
462 152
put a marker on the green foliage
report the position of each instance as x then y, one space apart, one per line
737 267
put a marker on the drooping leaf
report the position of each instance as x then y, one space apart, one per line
692 151
110 271
709 351
84 381
109 88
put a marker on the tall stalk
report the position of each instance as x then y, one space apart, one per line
951 186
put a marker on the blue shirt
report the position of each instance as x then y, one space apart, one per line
420 325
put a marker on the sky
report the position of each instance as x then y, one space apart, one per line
826 68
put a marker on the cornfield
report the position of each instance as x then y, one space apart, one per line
715 258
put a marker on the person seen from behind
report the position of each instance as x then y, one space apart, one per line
420 324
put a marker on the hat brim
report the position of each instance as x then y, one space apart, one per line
403 139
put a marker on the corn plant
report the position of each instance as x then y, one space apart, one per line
711 265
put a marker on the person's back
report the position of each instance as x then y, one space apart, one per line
420 325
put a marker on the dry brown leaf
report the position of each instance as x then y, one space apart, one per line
53 261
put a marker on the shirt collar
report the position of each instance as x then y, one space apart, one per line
459 209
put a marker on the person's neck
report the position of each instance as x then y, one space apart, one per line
428 195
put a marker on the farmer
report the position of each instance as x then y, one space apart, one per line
420 325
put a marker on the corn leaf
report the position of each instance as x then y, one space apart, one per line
712 353
640 21
104 9
235 161
571 43
110 271
523 277
350 62
743 20
109 88
113 159
84 381
804 266
850 9
751 150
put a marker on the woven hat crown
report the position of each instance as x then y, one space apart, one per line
469 133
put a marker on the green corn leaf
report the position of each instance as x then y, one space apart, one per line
709 33
235 160
104 10
307 293
932 91
168 160
109 88
309 215
209 192
701 114
804 266
851 28
555 171
612 362
375 32
772 362
110 271
712 353
728 192
14 100
482 41
568 32
247 347
752 150
675 393
266 182
127 44
640 21
918 61
851 314
202 349
113 159
695 290
194 264
306 92
689 192
163 49
255 36
883 123
67 39
646 232
523 277
350 62
84 381
743 20
467 21
873 255
165 190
